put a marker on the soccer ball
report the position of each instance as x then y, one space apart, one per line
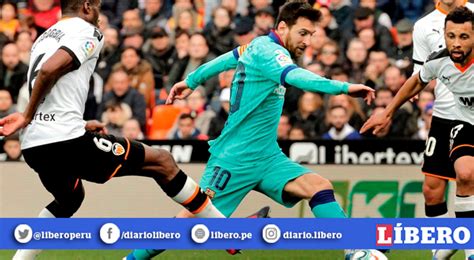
370 254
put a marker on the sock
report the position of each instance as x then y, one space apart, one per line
324 205
144 254
27 254
186 192
437 211
464 208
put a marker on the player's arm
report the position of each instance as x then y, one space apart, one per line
54 68
212 68
411 87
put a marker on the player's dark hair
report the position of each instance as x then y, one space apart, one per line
291 11
460 15
71 6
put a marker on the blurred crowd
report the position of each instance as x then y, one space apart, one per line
152 44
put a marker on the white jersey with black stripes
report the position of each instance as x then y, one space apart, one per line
59 117
428 37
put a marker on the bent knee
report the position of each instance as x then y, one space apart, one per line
313 184
164 162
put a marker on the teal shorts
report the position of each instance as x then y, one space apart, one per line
228 183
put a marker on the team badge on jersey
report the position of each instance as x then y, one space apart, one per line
282 58
89 47
118 149
210 193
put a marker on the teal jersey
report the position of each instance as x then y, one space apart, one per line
263 68
256 103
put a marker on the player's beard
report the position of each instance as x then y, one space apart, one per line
295 50
461 59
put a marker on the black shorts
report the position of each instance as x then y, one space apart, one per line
92 157
462 141
436 157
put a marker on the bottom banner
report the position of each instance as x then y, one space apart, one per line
303 233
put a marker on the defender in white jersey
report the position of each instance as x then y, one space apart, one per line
64 149
453 67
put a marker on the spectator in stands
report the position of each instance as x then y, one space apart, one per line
183 19
342 12
264 21
356 61
297 133
404 123
153 15
284 127
424 124
115 9
379 16
121 91
9 25
425 97
309 114
378 63
161 55
329 24
198 54
219 32
363 19
110 53
404 49
218 122
244 32
12 71
199 111
186 129
394 78
354 110
181 42
131 130
45 13
317 68
329 56
11 146
367 36
24 42
103 22
318 39
27 24
256 5
340 129
140 74
115 115
6 103
133 38
131 21
337 73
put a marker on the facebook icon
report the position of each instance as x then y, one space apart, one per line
109 233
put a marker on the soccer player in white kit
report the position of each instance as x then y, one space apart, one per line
64 149
453 67
428 37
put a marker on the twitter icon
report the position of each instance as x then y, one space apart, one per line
23 233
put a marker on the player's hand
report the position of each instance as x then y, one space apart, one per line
180 90
377 121
96 126
359 90
12 123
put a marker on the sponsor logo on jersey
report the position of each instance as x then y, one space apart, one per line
89 47
283 59
118 149
280 91
210 193
467 101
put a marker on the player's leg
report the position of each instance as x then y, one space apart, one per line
288 182
462 155
438 169
67 190
225 184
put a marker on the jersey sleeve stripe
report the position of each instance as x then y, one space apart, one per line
418 62
75 60
422 81
285 72
236 53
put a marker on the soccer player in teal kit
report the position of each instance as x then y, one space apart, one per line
246 155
